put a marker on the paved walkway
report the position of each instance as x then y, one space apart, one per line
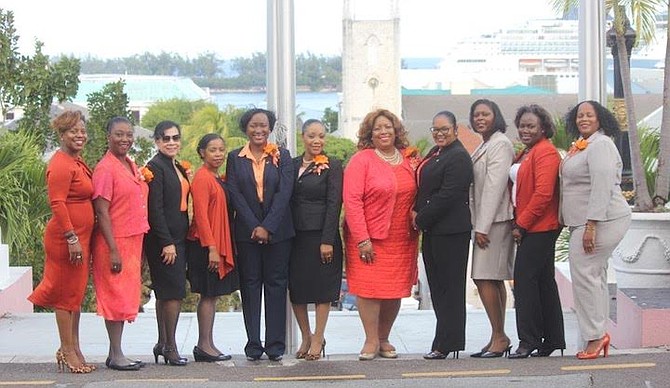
32 338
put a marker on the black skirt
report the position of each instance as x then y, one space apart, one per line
310 280
202 280
167 281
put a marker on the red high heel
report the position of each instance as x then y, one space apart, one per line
604 347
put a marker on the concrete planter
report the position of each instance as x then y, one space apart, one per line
642 259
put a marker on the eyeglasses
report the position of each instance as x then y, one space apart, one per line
174 138
441 129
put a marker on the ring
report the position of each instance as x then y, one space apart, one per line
78 256
363 256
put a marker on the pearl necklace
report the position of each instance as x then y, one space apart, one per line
395 159
306 163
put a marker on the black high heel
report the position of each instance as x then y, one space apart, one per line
479 353
201 356
489 354
171 357
546 352
521 352
158 351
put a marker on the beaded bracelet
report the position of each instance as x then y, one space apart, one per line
72 239
364 243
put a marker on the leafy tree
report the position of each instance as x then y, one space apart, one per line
176 109
23 203
33 82
109 102
210 119
331 119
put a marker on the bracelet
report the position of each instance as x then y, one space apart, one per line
72 239
364 243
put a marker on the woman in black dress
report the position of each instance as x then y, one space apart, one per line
315 267
165 244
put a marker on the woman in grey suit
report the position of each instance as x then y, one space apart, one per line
491 208
594 209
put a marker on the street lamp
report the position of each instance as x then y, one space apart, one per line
622 142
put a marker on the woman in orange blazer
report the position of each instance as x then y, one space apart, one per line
534 174
209 245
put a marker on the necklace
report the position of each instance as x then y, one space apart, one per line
394 159
306 162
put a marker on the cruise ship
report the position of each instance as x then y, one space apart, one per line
542 53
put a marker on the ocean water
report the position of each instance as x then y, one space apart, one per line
310 104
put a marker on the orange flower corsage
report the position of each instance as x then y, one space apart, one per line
320 163
145 174
272 151
186 165
413 155
578 145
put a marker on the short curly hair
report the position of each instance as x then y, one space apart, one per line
368 123
608 122
67 120
249 114
546 123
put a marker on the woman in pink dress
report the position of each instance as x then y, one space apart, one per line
120 201
381 245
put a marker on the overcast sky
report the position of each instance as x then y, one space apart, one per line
231 28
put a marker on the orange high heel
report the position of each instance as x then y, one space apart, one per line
604 347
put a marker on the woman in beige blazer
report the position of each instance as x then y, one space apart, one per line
491 208
597 214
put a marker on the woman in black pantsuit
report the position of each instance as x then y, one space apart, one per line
442 213
539 318
165 244
315 268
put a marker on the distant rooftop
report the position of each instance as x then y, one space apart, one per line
142 88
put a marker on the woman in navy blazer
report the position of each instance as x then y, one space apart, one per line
442 213
260 177
165 244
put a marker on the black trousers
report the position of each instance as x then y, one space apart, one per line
264 268
539 318
446 259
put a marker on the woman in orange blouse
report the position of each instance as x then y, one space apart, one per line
211 269
119 195
67 238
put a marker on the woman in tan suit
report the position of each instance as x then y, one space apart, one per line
594 209
491 208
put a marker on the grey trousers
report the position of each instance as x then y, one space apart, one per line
589 275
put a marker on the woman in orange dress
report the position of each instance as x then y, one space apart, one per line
67 238
381 245
120 201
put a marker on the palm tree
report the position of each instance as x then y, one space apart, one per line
24 208
643 16
209 119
